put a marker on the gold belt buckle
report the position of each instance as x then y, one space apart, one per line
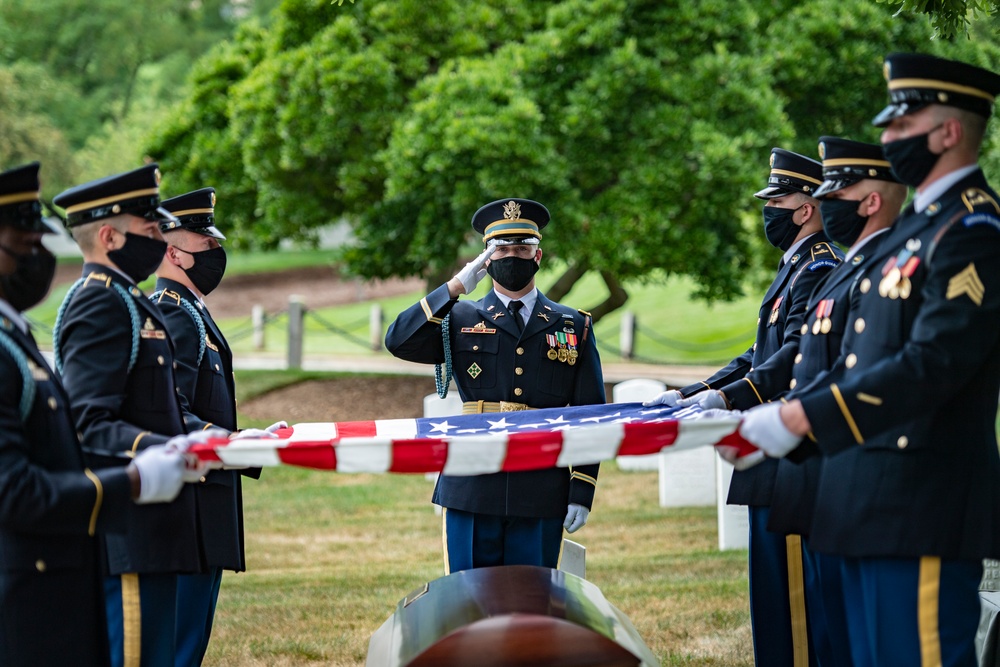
508 406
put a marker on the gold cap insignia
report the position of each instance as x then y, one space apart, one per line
887 70
822 150
156 175
772 159
213 200
512 211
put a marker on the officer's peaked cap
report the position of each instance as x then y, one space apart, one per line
916 80
135 192
19 198
195 212
791 173
508 221
846 162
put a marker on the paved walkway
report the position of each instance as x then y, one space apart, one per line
675 376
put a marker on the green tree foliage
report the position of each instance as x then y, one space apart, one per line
951 18
644 125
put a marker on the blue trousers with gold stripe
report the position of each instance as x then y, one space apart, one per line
777 596
142 614
483 540
827 619
910 612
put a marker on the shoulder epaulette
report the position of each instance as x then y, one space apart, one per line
583 312
823 250
974 197
133 313
157 297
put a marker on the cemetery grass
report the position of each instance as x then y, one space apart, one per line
330 555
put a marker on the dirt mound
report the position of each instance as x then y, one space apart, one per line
360 398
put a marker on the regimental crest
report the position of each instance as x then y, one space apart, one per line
512 211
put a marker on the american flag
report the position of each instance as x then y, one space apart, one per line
483 443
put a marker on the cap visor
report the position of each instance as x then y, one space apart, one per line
831 186
513 240
771 192
211 230
894 111
51 226
163 216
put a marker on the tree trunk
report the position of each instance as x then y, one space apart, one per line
565 283
616 298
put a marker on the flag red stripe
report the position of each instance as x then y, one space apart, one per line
356 429
418 455
530 451
310 455
643 438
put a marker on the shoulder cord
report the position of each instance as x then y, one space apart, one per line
442 383
133 316
27 382
198 321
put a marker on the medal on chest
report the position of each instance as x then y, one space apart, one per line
896 272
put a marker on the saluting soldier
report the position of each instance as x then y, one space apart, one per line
792 224
192 268
117 363
52 506
859 200
512 350
908 496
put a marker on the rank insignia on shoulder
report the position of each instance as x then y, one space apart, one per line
967 282
169 294
149 330
480 328
583 312
98 277
974 197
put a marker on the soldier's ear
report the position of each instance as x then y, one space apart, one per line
107 237
872 204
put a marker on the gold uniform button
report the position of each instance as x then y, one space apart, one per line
159 360
518 391
202 480
791 385
798 358
475 347
40 565
865 286
851 360
53 403
519 371
859 324
804 330
902 442
217 367
175 365
520 350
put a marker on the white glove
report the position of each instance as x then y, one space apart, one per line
253 433
161 474
708 400
715 413
668 398
473 272
731 455
276 426
576 517
763 428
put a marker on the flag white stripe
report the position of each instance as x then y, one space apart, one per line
401 429
364 454
700 432
590 445
475 455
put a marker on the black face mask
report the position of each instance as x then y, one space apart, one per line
841 220
779 226
208 269
513 273
30 282
139 257
911 159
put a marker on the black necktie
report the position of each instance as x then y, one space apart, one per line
515 310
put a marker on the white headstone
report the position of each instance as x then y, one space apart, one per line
435 406
734 520
573 558
687 478
634 391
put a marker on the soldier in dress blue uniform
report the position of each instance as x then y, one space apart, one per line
117 363
859 200
192 267
512 350
52 507
792 223
908 496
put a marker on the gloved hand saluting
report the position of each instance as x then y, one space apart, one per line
473 272
668 398
576 517
161 474
708 400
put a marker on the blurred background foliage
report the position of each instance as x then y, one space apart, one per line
643 125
